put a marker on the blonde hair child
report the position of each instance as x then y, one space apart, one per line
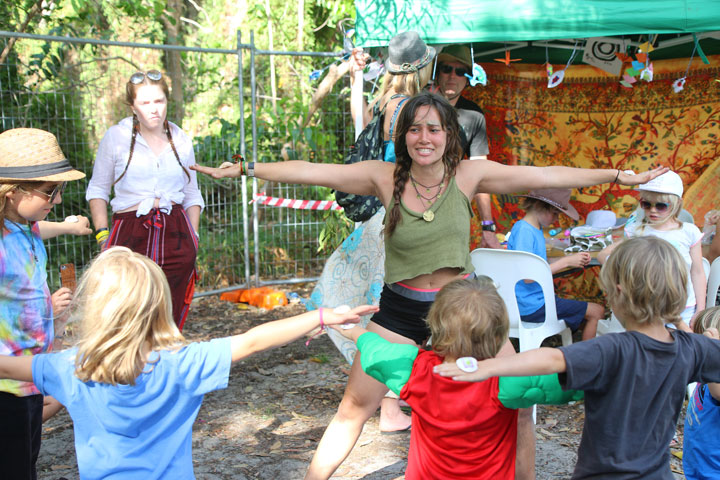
634 382
701 444
459 430
661 203
133 385
33 173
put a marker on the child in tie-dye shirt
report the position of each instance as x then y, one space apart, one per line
33 172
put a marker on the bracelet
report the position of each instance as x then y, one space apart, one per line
617 176
322 327
102 235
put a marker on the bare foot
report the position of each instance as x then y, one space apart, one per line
392 419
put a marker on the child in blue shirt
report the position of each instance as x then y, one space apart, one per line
132 385
701 445
542 208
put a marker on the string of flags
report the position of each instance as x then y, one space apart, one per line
607 53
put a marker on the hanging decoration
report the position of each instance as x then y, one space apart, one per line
679 84
601 52
478 73
507 60
556 78
640 66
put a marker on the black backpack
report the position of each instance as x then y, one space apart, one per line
368 146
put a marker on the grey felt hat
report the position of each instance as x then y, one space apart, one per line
407 53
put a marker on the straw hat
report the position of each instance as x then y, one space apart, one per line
456 53
29 155
407 53
555 197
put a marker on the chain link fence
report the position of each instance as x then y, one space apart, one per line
75 88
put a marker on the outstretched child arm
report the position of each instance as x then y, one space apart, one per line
540 361
79 225
281 332
387 362
16 368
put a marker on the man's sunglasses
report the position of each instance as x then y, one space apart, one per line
58 190
660 207
459 71
138 77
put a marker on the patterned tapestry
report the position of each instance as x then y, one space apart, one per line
591 121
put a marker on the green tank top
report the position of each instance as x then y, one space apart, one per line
417 247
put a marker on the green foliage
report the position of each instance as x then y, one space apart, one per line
75 91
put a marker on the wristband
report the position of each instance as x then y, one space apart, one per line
322 327
617 176
250 169
102 235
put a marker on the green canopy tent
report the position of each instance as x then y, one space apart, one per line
529 26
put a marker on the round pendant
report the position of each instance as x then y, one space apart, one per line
428 215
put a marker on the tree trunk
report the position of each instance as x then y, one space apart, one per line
301 24
173 61
273 86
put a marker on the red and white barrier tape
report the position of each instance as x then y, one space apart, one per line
297 204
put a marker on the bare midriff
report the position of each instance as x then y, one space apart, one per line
435 280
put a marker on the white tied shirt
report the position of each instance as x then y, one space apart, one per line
148 177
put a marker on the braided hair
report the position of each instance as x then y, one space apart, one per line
130 94
451 157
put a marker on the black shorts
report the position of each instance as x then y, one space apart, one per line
402 315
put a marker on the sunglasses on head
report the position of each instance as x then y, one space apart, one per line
459 71
660 207
138 77
58 190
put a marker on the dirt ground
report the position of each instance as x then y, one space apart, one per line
268 421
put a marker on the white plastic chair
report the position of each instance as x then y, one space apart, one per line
609 325
713 283
506 268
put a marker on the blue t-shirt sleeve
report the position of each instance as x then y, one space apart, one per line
526 238
387 362
205 366
53 373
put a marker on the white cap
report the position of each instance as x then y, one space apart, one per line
668 182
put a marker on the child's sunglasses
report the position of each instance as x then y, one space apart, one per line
660 207
58 190
138 77
459 71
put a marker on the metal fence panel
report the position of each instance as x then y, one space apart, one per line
282 246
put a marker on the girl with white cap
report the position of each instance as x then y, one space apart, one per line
661 202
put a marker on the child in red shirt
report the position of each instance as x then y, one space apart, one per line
459 430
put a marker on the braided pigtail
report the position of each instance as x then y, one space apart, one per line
166 125
401 176
135 130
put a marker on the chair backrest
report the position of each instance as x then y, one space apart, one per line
713 283
706 267
506 268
